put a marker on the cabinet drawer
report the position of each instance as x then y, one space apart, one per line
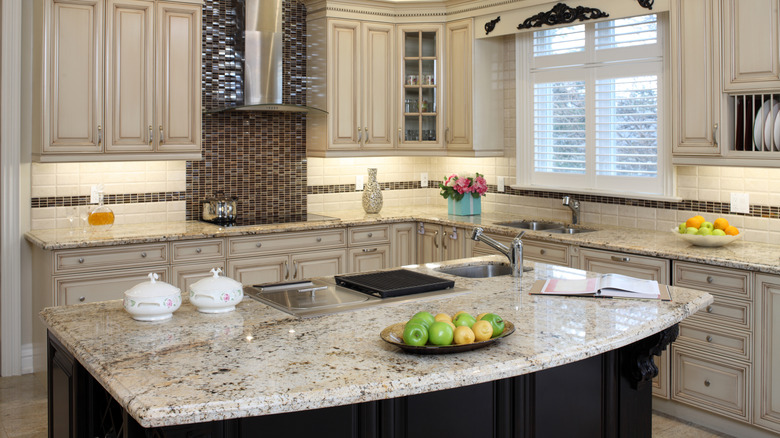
75 289
734 343
711 383
113 257
369 235
715 280
724 311
197 250
286 242
546 252
610 262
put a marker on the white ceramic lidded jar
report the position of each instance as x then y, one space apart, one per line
216 294
152 300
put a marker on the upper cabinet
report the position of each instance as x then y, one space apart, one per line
751 45
116 80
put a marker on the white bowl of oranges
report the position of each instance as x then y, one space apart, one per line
699 232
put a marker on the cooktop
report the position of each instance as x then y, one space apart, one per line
275 219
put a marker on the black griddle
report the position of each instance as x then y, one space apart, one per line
395 283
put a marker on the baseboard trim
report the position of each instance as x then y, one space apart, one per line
709 420
27 359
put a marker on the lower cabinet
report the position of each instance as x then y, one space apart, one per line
766 411
277 268
369 248
533 250
437 243
403 246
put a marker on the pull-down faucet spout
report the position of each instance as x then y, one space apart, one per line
574 205
514 254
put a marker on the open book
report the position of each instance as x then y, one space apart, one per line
607 285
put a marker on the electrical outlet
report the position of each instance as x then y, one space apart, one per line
740 203
424 179
501 187
359 182
93 195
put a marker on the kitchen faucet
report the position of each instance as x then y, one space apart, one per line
574 205
515 254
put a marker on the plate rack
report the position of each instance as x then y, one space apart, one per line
757 124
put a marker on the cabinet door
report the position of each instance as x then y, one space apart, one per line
428 243
318 264
459 38
185 275
378 85
74 78
767 334
404 244
343 83
750 44
695 81
178 77
259 270
90 287
129 76
370 258
453 243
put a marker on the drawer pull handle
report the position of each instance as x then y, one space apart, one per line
370 234
198 250
710 279
82 299
709 338
707 382
542 252
81 259
319 239
709 309
621 259
370 249
295 272
259 244
143 255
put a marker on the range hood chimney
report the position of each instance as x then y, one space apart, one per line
258 42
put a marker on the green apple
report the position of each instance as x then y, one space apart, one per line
496 322
682 228
691 230
464 319
415 333
704 231
707 225
717 232
440 333
426 317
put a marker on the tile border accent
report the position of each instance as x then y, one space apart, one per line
126 198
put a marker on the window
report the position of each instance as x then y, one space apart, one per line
593 105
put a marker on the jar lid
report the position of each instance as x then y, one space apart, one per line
152 288
215 283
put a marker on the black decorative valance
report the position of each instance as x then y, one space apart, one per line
490 25
562 14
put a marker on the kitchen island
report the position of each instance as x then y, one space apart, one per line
574 364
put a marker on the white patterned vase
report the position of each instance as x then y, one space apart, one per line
372 194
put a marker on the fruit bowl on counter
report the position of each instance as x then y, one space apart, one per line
698 232
707 241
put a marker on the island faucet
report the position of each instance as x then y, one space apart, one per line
514 254
574 205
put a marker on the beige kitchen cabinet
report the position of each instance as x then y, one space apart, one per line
403 246
436 243
369 248
533 250
192 260
751 45
766 399
696 81
458 72
359 60
116 80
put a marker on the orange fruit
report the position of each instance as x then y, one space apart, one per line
720 224
731 230
694 222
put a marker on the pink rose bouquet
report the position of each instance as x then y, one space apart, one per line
456 187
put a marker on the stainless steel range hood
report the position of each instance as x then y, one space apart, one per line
260 34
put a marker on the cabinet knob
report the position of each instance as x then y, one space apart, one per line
198 250
82 299
143 255
707 382
709 338
259 244
542 251
710 279
81 259
319 239
709 309
370 234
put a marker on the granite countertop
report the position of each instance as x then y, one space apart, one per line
257 360
752 256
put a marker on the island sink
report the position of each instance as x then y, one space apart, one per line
481 271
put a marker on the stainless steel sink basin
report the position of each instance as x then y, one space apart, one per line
531 225
570 230
480 271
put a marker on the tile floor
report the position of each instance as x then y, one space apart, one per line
23 412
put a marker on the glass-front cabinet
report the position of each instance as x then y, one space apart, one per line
420 121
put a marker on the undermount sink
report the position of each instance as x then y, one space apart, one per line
570 230
480 271
550 227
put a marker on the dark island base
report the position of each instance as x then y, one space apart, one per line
604 396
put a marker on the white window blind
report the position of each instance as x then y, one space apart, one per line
596 92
